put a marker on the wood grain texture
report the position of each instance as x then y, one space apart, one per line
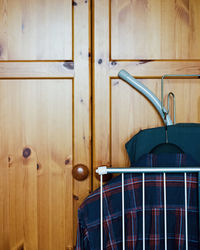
155 29
30 205
52 116
151 68
4 200
82 101
38 69
16 233
187 92
35 30
42 111
20 206
101 90
130 112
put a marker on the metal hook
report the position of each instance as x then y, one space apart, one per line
162 90
174 105
167 112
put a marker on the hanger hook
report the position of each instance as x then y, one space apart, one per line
167 112
174 105
162 90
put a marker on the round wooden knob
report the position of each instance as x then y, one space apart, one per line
80 172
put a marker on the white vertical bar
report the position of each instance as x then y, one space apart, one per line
123 220
143 209
165 209
101 209
186 215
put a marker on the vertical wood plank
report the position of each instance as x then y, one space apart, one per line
13 178
55 182
4 203
16 203
42 111
82 100
194 41
69 208
30 223
3 27
101 92
13 141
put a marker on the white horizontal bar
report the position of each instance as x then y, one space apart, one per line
147 170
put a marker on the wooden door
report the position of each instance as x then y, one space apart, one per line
44 121
148 38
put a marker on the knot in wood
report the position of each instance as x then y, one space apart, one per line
26 152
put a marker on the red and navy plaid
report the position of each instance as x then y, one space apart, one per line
88 234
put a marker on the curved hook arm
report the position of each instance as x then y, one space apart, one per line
146 92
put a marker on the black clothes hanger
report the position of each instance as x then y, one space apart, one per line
166 147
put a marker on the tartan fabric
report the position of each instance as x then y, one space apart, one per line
88 233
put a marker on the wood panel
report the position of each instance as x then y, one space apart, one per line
4 204
101 87
154 68
37 69
36 30
155 29
30 200
42 115
82 101
22 200
131 112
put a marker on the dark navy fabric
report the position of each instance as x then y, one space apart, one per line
165 160
88 234
184 135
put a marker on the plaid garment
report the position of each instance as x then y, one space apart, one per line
88 234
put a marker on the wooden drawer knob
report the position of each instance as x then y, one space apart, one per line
80 172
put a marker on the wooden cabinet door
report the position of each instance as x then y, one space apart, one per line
147 38
44 121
